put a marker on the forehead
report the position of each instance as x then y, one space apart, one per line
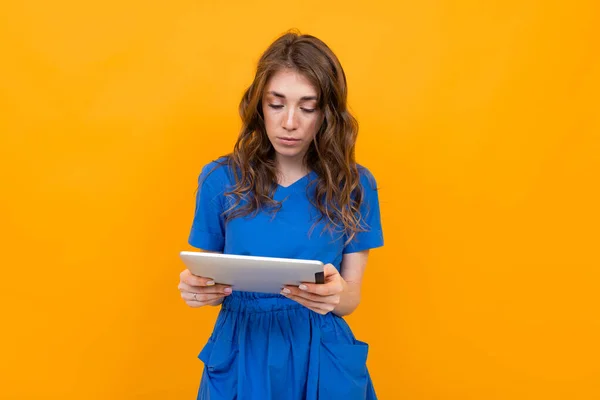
292 84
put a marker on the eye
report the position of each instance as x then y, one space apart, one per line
276 106
309 110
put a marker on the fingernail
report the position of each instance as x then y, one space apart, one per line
302 287
286 291
210 283
227 290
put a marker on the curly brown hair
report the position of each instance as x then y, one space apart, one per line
338 194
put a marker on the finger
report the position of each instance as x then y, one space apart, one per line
323 289
329 270
329 299
193 280
332 285
215 302
200 298
221 289
321 308
196 304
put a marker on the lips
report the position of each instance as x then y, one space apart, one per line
288 141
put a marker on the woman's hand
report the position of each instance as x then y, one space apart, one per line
319 297
197 291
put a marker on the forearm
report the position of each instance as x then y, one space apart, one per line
349 299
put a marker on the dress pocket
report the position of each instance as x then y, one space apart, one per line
343 371
220 367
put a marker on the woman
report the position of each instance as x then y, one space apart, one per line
291 188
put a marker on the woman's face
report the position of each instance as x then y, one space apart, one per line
291 116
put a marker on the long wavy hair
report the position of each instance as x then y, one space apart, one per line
337 194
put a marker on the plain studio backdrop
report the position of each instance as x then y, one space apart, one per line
480 121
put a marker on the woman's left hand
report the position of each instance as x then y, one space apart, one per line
319 297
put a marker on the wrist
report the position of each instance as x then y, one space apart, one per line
349 299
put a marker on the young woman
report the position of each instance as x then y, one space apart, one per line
291 188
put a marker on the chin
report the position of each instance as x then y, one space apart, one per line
287 152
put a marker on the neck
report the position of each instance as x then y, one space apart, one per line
291 167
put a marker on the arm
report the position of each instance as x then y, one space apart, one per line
199 291
207 233
353 269
339 294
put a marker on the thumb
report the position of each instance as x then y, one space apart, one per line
330 270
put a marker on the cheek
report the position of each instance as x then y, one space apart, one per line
270 119
315 125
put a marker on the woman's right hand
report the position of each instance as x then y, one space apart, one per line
197 291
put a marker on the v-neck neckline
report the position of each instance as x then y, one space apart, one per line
295 183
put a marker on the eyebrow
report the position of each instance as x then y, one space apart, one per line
303 98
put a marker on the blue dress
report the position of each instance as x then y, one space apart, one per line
265 346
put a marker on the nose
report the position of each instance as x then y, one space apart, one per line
290 120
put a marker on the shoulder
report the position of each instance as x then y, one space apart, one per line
367 179
216 173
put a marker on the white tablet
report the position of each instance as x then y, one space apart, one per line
253 274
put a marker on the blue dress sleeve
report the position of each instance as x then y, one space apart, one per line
208 226
372 236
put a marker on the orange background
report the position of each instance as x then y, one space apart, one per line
480 121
